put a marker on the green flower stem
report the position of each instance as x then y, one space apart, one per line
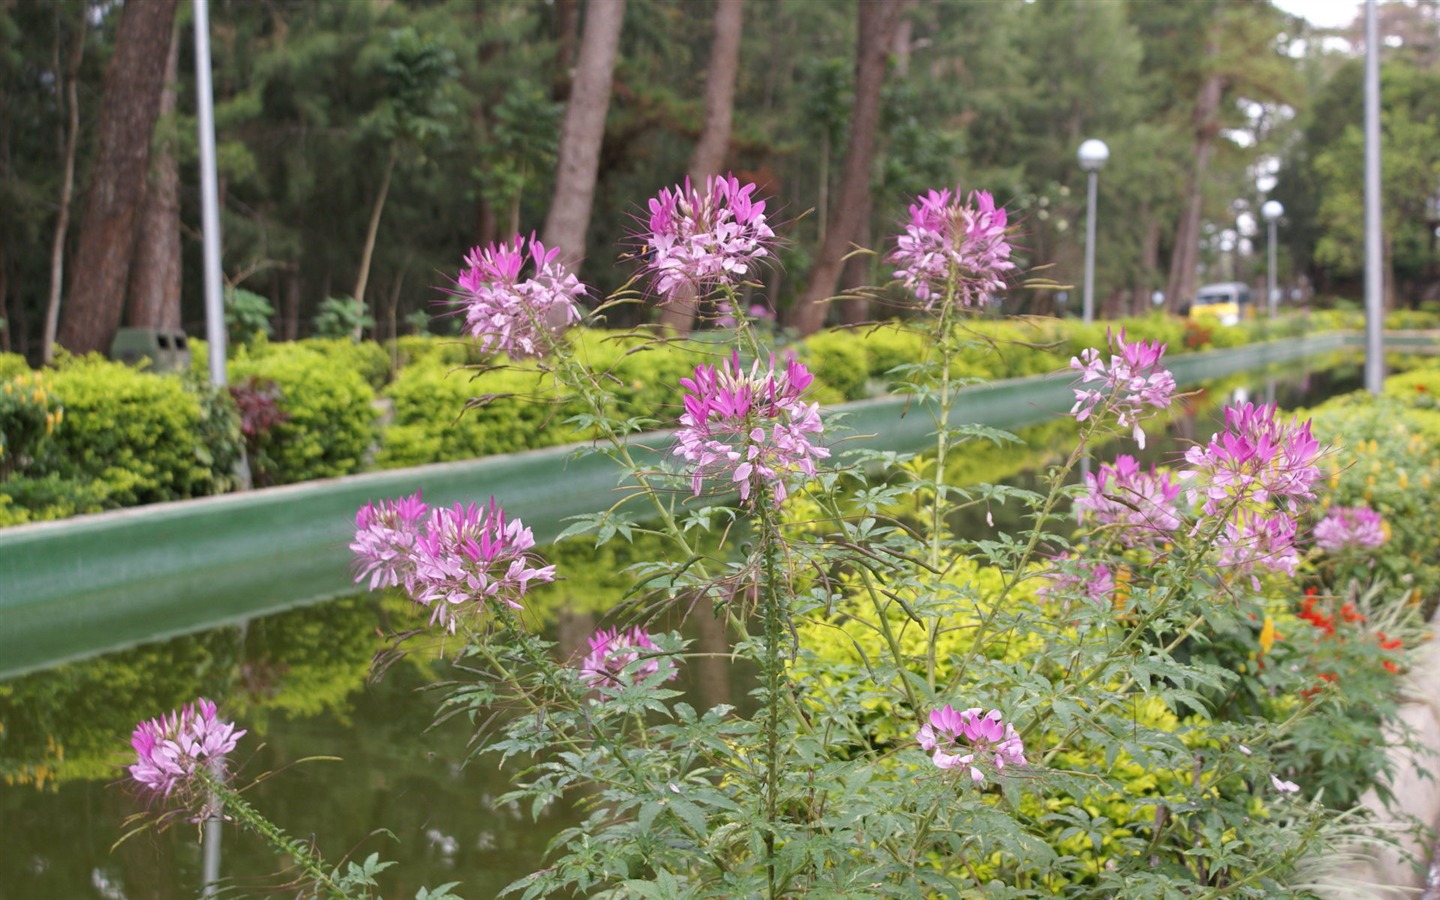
308 861
1016 574
547 666
891 639
946 342
776 617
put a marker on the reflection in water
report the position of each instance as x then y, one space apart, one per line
298 681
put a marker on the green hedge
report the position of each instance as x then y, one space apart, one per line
331 410
1388 458
431 424
12 364
145 438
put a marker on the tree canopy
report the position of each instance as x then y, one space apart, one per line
446 116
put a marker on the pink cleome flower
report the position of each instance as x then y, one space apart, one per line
951 250
458 557
1254 540
509 314
750 427
957 738
1350 528
618 658
702 241
1255 457
1139 507
1133 380
1074 576
171 749
385 540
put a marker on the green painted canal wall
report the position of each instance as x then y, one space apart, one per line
79 587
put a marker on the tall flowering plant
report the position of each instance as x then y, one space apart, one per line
1027 710
750 429
507 313
703 238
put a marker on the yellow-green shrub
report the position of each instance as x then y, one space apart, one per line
331 412
12 364
139 434
431 424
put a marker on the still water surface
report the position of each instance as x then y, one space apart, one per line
298 682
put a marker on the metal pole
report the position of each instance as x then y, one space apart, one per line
1270 278
209 197
210 853
1374 255
1089 308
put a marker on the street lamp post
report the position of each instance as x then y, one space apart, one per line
1272 211
1092 158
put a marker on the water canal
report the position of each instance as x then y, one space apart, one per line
298 682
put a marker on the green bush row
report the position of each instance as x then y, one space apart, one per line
116 450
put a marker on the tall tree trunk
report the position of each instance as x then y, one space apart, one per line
1185 257
372 232
154 295
708 157
855 275
584 130
67 184
878 20
134 81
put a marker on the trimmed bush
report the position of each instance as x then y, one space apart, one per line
367 358
1388 458
431 424
838 361
331 410
12 364
142 436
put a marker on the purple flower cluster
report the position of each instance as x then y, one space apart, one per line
618 658
958 738
171 749
1139 506
953 250
702 241
1258 540
449 559
509 314
1074 576
751 428
1350 528
1255 457
385 541
1255 472
1133 380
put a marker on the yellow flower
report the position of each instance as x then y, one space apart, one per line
1267 634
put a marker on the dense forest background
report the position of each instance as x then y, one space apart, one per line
366 145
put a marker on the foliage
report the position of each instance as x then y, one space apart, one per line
12 364
29 414
434 419
1389 461
247 316
330 424
340 317
143 438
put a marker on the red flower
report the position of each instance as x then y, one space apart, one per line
1388 643
1349 613
1314 617
1312 691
